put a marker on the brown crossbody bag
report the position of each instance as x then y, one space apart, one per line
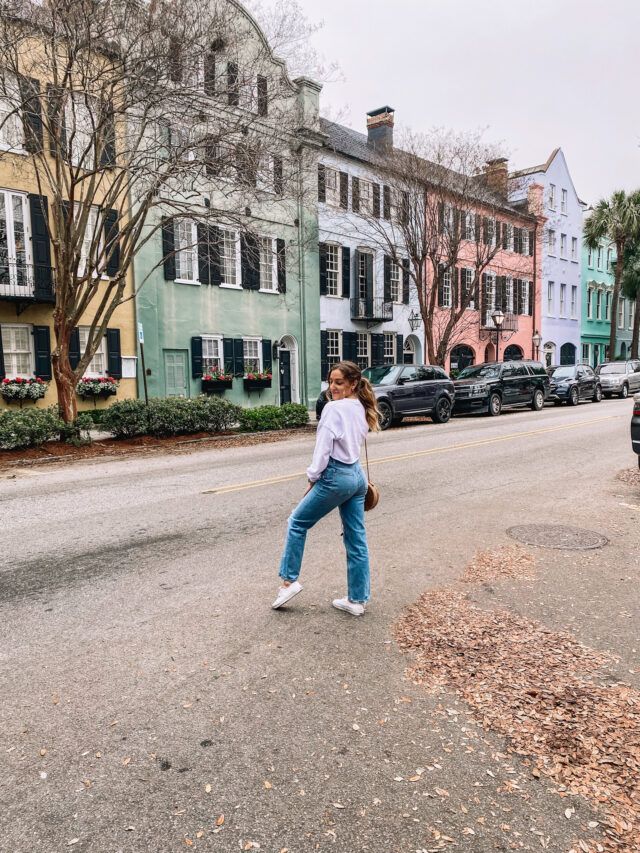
373 493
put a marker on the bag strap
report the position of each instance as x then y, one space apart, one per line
366 455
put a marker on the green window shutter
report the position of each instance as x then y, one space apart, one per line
369 274
232 84
441 271
42 348
278 178
108 130
31 114
324 359
210 72
41 247
250 261
322 250
114 355
204 268
56 127
196 357
406 280
74 348
281 261
227 355
531 298
266 355
440 217
168 249
532 238
377 350
346 272
238 356
112 242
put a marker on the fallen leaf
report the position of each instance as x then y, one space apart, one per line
207 789
43 752
267 784
199 834
415 778
188 842
355 727
338 806
441 792
220 820
126 760
73 841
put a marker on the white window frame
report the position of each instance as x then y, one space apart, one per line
470 226
526 285
563 300
389 357
590 303
366 197
590 257
332 186
334 354
93 222
621 312
586 353
552 196
564 199
607 306
632 313
235 239
13 248
12 355
551 238
509 237
574 248
246 358
466 279
207 341
265 173
12 127
363 354
574 301
509 294
360 280
395 276
268 263
599 258
190 250
447 289
92 369
550 298
598 304
334 276
563 245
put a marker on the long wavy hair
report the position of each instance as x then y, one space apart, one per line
364 391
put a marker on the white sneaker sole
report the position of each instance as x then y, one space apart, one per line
278 604
348 610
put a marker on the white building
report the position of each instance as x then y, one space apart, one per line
366 299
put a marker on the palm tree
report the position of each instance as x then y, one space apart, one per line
631 288
616 220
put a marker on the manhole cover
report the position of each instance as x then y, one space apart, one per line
558 537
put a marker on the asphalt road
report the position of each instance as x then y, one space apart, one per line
147 688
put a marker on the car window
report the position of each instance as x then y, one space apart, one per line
424 373
408 374
520 370
588 372
508 371
480 371
611 367
386 374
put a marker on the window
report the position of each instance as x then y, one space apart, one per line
334 270
467 284
607 306
470 226
268 276
563 202
396 288
632 313
574 248
551 240
366 197
552 196
98 364
574 302
599 257
608 267
11 127
211 354
15 247
598 305
332 184
80 118
186 250
590 303
265 173
510 237
525 296
590 258
586 353
563 245
509 295
389 348
251 352
229 258
563 300
525 241
18 357
92 240
362 352
621 313
363 290
550 298
334 347
446 289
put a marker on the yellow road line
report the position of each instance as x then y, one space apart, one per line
254 484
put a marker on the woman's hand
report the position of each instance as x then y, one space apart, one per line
308 489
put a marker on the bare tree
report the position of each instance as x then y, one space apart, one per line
125 112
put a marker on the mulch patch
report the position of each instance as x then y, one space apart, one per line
508 561
541 690
57 451
631 476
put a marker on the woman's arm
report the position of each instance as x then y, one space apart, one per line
324 445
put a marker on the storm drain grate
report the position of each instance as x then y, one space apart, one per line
558 537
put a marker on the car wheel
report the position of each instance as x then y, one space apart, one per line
442 412
386 414
538 400
495 405
574 398
624 392
597 397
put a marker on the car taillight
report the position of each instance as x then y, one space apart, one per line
636 410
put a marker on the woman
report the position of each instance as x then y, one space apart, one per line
336 480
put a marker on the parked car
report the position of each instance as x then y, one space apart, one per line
492 386
619 377
635 427
571 383
407 389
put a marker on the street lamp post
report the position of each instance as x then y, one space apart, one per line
537 340
498 320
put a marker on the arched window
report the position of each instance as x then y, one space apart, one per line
567 354
549 354
461 356
513 353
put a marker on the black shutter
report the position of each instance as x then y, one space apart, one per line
498 233
42 348
278 180
387 278
350 346
531 296
406 280
483 300
517 240
112 242
114 356
344 190
485 230
266 355
215 269
440 217
210 73
31 113
168 249
369 275
456 224
505 235
476 289
2 370
322 182
281 261
322 252
517 295
346 272
227 355
476 218
502 290
441 270
204 274
238 356
455 287
400 349
196 357
377 350
532 236
57 128
232 84
386 202
250 261
108 152
324 358
74 348
263 95
41 247
376 201
355 194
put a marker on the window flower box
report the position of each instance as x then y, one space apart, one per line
257 381
20 389
212 382
95 387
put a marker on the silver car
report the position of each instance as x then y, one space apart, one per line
619 377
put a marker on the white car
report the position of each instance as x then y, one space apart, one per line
619 377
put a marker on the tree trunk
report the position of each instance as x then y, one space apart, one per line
614 300
65 378
635 342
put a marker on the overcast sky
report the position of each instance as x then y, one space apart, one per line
537 74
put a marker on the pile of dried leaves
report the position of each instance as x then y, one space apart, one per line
537 687
508 561
630 476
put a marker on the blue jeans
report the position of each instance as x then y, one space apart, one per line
342 486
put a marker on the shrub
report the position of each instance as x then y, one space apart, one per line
73 433
217 415
260 419
28 427
126 419
293 415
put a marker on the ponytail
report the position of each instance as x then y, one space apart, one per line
364 391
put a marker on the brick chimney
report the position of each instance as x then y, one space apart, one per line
380 129
497 176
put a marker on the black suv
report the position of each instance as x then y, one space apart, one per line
492 386
571 383
407 389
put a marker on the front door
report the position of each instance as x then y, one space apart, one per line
285 377
175 373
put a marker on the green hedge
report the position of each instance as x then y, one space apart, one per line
32 427
170 416
265 418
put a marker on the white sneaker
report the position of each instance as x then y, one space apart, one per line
286 593
350 606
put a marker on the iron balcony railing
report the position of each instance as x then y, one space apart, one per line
510 323
26 282
371 309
